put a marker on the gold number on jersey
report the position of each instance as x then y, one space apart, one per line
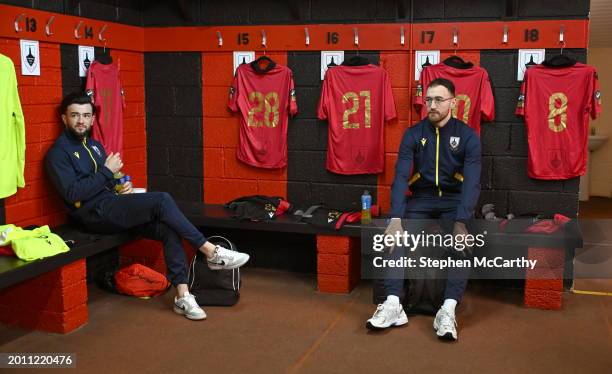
467 104
271 109
353 98
270 103
557 111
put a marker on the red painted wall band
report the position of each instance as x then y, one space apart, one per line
380 37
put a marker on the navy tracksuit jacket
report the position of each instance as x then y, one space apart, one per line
77 170
441 167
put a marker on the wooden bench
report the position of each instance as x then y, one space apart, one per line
50 294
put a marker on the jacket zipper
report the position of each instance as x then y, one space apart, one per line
90 155
438 160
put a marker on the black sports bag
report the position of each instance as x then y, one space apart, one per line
214 287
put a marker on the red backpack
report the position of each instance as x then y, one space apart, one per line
141 281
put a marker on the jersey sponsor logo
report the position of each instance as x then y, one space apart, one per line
423 141
521 101
598 97
95 148
454 142
77 155
419 90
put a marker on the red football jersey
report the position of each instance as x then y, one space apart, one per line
264 99
105 89
356 101
472 91
556 103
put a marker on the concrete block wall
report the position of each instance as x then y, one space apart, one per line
181 138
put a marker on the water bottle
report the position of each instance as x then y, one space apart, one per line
366 205
120 180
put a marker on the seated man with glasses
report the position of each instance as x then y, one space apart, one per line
444 156
83 175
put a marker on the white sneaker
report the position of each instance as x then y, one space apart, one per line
445 325
188 307
386 315
227 259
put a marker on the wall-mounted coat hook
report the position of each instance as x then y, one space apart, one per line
48 26
77 30
562 34
219 39
455 36
101 33
17 21
264 40
307 35
505 36
402 36
356 35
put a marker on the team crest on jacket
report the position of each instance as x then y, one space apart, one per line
77 155
95 148
454 142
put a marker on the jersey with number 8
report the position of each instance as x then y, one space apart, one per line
556 104
356 100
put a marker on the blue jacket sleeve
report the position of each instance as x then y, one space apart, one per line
402 171
71 187
470 191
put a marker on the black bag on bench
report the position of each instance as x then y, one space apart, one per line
214 287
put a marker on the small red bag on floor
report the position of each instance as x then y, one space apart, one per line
141 281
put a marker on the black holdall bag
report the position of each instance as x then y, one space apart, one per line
425 287
214 287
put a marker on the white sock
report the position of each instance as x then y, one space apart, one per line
393 299
449 305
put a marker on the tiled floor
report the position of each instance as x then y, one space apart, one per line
281 324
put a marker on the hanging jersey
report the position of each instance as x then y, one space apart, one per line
472 91
12 131
356 101
105 89
264 98
556 104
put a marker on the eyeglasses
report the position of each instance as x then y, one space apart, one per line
438 100
79 115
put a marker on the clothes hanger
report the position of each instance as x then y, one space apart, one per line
559 60
455 58
263 64
357 60
105 58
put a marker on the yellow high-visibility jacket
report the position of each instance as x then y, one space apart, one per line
12 131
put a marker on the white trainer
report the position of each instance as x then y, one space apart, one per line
227 259
386 315
445 325
188 307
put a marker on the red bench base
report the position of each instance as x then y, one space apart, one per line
53 302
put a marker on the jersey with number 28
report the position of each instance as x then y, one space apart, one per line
356 100
264 100
556 104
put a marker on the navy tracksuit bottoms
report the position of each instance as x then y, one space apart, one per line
154 214
444 209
